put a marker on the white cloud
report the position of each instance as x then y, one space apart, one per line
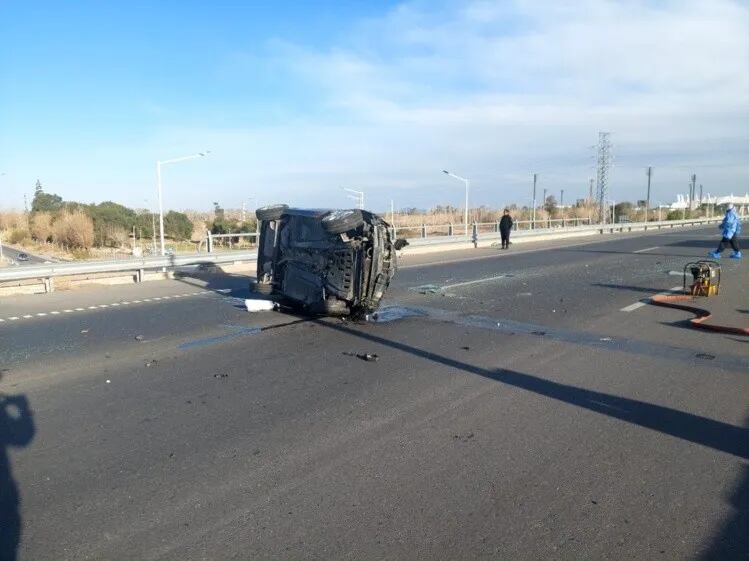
495 90
499 91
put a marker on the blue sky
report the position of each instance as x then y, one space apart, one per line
297 100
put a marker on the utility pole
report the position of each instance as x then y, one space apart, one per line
603 163
561 199
649 173
590 191
244 208
700 194
533 219
25 203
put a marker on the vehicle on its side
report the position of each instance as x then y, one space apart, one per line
23 257
331 262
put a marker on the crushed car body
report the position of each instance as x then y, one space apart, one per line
330 262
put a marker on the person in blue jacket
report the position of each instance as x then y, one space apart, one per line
730 228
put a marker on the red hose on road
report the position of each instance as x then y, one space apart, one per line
670 301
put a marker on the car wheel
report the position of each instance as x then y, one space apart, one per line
340 221
264 288
273 212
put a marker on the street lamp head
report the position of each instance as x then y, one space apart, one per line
445 171
204 153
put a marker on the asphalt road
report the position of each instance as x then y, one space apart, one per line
11 253
526 408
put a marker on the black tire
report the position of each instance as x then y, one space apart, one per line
264 288
273 212
340 221
331 307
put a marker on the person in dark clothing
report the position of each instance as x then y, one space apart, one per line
505 227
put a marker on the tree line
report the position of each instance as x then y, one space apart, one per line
107 224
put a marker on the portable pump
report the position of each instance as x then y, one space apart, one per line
705 278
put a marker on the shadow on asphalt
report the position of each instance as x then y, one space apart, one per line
732 540
628 287
614 252
707 432
702 243
16 430
219 281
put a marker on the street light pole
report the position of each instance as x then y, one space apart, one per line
533 219
468 184
158 179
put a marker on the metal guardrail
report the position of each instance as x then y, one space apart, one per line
48 272
517 226
137 265
476 235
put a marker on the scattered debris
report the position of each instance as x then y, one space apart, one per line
221 375
260 305
171 454
524 294
151 363
463 437
705 356
427 289
84 330
539 333
605 339
466 348
369 357
139 337
109 381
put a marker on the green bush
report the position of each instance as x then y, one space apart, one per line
177 226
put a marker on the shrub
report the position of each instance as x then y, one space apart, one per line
18 235
41 226
74 230
177 226
11 220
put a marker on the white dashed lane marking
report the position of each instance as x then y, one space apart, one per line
102 306
641 303
646 249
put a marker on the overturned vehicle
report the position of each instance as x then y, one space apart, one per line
331 262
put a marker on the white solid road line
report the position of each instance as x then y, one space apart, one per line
646 249
641 303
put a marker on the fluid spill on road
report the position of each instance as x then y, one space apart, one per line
394 313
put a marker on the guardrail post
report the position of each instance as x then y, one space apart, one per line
496 226
475 235
450 230
423 230
49 284
139 275
209 243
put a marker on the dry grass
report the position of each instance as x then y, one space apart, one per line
74 230
41 227
13 220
